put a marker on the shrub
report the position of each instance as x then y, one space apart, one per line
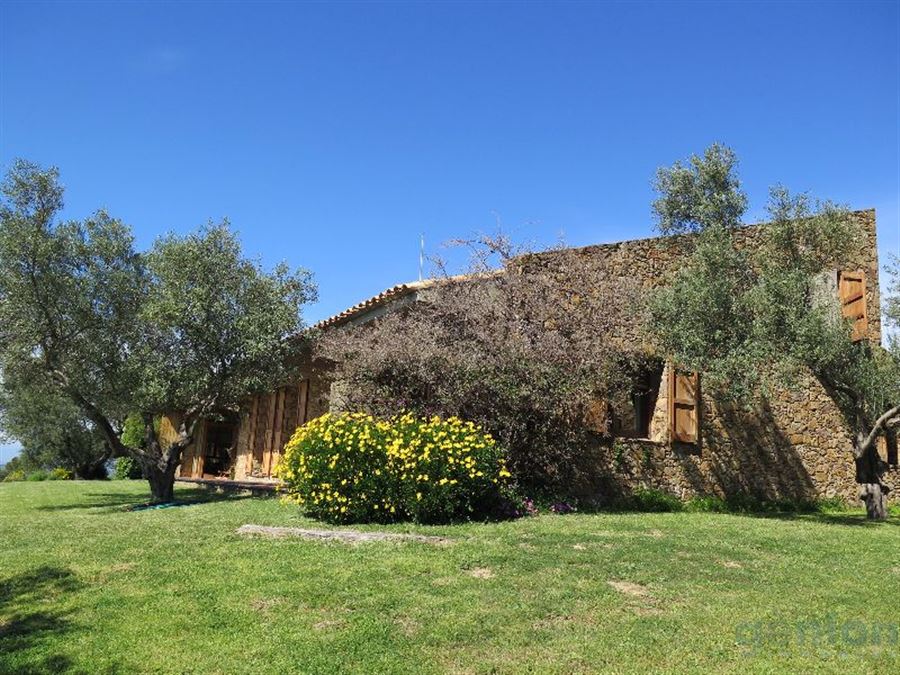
832 504
127 469
520 353
748 504
562 508
706 505
60 473
38 475
14 475
655 501
355 468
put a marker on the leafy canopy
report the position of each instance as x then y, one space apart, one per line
747 316
191 325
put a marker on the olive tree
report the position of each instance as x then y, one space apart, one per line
52 431
189 327
751 318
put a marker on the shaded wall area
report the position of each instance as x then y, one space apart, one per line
793 445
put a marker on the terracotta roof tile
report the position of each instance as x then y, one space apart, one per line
391 293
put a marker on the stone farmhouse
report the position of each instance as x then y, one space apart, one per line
673 437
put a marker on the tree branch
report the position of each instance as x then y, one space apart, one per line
882 423
106 428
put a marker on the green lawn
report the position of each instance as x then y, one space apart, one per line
87 586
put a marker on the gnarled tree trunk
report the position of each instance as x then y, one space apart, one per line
872 489
162 483
160 464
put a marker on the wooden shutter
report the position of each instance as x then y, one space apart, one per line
852 294
684 406
255 414
303 403
273 431
597 417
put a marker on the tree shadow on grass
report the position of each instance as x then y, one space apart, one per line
792 512
850 519
25 628
106 502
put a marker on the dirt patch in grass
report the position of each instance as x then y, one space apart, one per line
328 624
351 536
407 625
264 605
557 621
119 568
629 588
732 565
481 572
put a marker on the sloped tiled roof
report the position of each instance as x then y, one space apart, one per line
392 293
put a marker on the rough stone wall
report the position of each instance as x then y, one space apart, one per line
795 445
631 267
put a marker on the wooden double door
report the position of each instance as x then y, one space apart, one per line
273 419
213 452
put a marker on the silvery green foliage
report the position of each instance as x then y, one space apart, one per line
191 326
892 305
216 319
68 292
747 318
700 193
52 430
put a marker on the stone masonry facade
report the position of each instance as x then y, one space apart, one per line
794 445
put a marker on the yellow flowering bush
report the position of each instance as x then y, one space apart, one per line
353 467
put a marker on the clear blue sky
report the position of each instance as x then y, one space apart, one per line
332 135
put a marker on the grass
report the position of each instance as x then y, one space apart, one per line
87 586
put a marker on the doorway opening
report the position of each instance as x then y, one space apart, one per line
218 450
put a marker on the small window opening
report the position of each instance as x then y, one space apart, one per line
634 418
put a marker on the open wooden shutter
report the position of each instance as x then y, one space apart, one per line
852 294
684 406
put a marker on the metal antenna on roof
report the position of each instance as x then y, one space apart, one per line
421 255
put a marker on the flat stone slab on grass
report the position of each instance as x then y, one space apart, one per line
336 535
